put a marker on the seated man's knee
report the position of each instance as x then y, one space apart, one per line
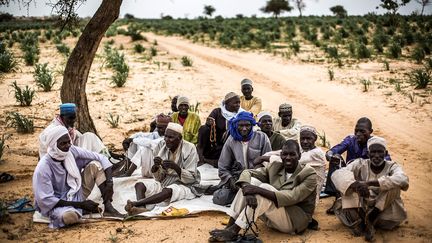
267 187
70 217
140 187
92 167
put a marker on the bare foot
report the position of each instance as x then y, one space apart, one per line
110 211
137 210
129 205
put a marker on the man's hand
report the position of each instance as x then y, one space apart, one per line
260 159
361 188
90 206
250 190
157 161
251 201
126 143
334 158
168 164
210 121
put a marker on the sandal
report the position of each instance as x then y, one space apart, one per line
21 205
5 177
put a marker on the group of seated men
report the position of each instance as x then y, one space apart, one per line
269 168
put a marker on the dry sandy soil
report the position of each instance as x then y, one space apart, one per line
332 107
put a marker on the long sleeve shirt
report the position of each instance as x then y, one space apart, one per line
353 148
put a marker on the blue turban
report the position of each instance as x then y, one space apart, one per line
233 125
67 109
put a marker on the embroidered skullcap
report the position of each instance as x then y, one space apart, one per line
246 81
262 114
230 95
308 128
175 127
285 107
377 140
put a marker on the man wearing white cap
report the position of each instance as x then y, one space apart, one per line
370 191
175 170
247 100
189 120
288 126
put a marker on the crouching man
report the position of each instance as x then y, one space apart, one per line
175 170
282 194
64 178
371 192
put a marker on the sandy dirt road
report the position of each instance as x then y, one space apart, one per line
330 106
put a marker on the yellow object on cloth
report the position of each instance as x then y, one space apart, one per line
172 211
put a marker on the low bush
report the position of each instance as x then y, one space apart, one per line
21 123
363 51
8 63
138 48
395 50
63 49
186 61
23 96
44 77
420 78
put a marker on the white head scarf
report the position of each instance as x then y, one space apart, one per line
73 179
53 135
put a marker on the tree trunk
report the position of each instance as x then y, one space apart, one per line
78 66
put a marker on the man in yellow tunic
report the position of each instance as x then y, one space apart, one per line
247 101
189 120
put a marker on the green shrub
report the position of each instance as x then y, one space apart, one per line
386 65
30 47
134 33
63 49
331 74
418 54
120 76
8 63
332 51
21 123
398 86
420 78
138 48
113 120
116 61
366 83
186 61
363 51
395 50
48 34
31 56
44 77
153 51
195 108
23 96
295 47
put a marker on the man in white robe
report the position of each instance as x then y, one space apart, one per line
370 191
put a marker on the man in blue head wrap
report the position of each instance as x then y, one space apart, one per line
242 147
67 118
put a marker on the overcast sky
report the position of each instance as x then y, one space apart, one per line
226 8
